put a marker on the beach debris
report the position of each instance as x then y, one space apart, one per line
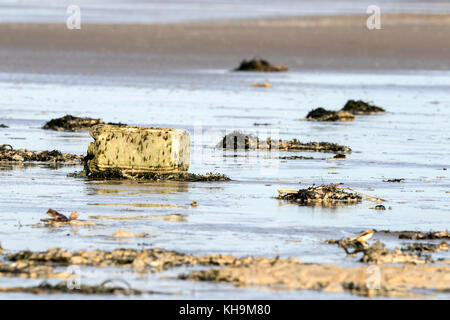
77 174
152 260
294 145
29 269
137 151
3 125
60 217
347 113
265 124
60 288
117 174
237 140
327 195
298 158
367 196
259 65
417 235
339 157
363 237
358 243
377 254
262 85
9 154
401 180
360 107
380 207
71 123
321 114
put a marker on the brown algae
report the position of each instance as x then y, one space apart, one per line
9 154
328 195
321 114
292 274
259 65
71 123
117 174
242 141
359 107
347 113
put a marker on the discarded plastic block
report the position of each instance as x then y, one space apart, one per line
138 150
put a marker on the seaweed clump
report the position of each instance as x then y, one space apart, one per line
418 235
151 260
432 235
242 141
378 254
347 113
401 180
260 65
359 107
329 195
71 123
117 174
321 114
62 287
9 154
427 247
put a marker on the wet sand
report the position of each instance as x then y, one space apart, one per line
343 42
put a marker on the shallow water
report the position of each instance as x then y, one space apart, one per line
241 217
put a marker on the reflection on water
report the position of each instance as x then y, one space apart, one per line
137 187
139 205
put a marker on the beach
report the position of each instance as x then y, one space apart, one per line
179 75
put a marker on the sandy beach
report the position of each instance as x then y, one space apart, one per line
246 237
412 42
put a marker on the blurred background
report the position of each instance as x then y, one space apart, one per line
148 11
